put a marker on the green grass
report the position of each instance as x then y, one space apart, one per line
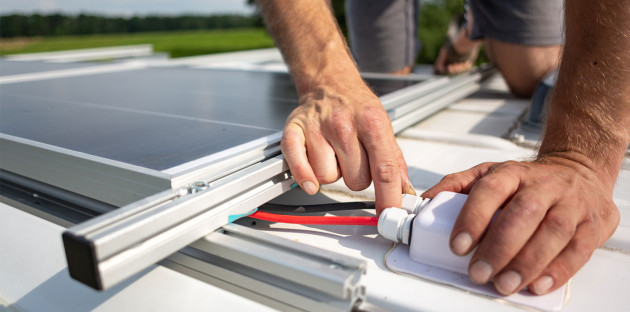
190 43
177 44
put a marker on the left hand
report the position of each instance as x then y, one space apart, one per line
556 211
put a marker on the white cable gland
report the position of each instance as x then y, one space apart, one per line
410 202
413 204
395 224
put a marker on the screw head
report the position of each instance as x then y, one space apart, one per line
198 186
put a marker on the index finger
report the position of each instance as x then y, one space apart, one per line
294 151
460 182
377 137
486 197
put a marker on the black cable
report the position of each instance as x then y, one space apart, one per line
270 207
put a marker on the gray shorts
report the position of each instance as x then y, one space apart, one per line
383 34
526 22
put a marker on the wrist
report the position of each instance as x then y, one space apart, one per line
333 68
586 130
583 165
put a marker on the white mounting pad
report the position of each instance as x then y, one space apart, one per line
398 261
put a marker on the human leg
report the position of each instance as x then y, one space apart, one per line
523 66
523 39
383 34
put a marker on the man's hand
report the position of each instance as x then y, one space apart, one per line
345 133
340 128
555 212
558 209
459 53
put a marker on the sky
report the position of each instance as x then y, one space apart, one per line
126 7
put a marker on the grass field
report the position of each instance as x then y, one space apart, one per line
189 43
177 44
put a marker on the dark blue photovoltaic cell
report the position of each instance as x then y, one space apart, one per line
152 141
155 118
256 99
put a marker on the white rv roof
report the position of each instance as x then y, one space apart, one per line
34 275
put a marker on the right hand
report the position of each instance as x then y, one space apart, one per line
555 212
342 130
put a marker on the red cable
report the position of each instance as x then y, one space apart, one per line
314 220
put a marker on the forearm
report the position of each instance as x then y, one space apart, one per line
589 118
312 45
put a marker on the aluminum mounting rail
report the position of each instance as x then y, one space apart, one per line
110 248
275 271
425 103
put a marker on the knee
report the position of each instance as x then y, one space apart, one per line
523 67
522 84
522 87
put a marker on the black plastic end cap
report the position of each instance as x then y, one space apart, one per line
81 258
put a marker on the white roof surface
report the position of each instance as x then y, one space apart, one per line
34 277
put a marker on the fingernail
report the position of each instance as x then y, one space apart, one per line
480 272
461 243
410 190
543 284
507 282
309 187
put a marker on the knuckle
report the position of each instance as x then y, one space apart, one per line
340 120
342 129
610 213
582 250
560 226
526 207
451 177
325 174
326 177
357 184
386 171
562 271
374 118
573 181
510 167
290 138
299 170
491 183
511 163
483 167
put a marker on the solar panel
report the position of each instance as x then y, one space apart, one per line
162 122
181 150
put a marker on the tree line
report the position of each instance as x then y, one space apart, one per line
19 25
